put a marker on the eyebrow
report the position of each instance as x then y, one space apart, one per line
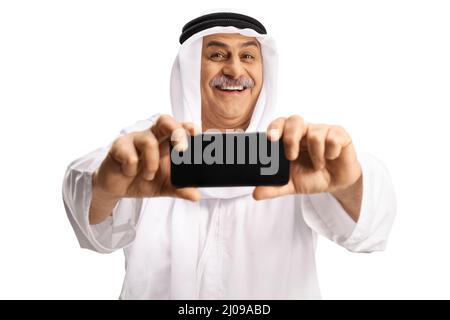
250 43
215 43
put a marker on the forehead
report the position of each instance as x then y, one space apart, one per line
230 39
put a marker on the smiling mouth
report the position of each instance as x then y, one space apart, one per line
231 89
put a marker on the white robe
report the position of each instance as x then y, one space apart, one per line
226 246
232 248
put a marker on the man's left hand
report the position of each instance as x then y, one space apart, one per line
322 159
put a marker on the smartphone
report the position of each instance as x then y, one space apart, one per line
229 159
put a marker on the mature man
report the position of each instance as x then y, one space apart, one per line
192 243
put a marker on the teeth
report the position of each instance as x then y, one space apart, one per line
232 88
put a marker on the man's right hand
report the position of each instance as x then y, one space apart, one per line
138 165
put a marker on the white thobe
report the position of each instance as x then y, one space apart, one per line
234 248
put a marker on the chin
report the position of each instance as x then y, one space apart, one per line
232 112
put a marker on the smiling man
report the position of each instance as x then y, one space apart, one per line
231 80
226 243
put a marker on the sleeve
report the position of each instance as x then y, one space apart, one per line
324 214
118 230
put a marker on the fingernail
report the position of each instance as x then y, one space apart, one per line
178 134
320 165
274 134
181 146
149 176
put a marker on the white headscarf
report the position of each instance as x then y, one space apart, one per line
185 91
185 95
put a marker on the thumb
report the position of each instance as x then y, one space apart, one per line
191 194
269 192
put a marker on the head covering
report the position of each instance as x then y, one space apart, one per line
224 19
185 89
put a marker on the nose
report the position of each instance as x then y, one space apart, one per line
233 68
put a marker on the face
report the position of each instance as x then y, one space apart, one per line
231 80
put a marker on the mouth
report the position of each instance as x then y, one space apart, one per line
231 89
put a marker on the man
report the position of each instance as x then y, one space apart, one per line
226 243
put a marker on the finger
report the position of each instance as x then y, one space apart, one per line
336 140
275 129
269 192
148 147
166 127
124 152
191 128
315 139
191 194
294 130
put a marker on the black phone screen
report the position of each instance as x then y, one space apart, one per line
229 159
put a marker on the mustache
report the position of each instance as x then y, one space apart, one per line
222 81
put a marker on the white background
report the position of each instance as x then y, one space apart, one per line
73 73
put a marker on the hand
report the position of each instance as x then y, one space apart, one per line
138 164
322 158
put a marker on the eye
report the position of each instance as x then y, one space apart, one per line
217 56
248 56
